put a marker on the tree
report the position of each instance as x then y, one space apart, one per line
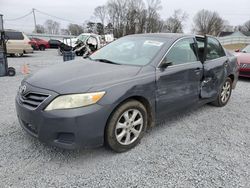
65 32
174 24
40 29
100 29
207 22
109 28
246 26
130 16
101 13
75 29
91 27
52 27
117 10
153 17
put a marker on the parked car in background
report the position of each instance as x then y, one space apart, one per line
244 61
85 43
39 44
18 43
53 43
122 89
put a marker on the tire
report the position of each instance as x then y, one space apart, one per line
11 71
42 47
224 94
18 54
132 118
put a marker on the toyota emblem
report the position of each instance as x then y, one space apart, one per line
22 89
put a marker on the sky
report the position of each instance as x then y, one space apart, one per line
235 11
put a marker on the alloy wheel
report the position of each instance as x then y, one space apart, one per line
129 126
226 91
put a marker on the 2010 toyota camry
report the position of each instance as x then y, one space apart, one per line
114 95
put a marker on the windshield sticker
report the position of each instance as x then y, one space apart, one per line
153 43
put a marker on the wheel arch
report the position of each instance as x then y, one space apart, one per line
146 104
231 76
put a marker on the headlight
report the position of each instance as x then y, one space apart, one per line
74 101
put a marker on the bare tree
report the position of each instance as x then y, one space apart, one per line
117 10
101 13
135 9
52 27
65 32
40 29
153 16
246 26
174 24
75 29
207 22
131 16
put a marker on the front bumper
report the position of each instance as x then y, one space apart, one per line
245 73
68 129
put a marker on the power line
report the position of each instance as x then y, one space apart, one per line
21 17
55 16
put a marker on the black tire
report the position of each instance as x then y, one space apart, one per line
111 140
42 47
11 71
219 102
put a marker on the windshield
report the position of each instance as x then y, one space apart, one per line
246 49
82 37
130 51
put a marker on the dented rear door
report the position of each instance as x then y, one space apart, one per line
215 66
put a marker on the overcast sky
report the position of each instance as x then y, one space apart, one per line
235 11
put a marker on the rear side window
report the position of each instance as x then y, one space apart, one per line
12 35
182 52
214 49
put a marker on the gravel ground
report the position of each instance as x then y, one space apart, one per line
207 147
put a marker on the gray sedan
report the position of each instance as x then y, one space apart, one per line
112 97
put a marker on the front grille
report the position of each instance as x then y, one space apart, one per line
245 65
33 100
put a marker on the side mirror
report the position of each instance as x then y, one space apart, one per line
237 50
165 64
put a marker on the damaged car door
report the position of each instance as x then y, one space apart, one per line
178 77
215 63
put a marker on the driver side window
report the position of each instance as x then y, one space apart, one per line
184 51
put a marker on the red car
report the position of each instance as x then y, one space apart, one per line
39 44
244 60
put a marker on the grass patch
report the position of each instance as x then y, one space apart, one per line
235 46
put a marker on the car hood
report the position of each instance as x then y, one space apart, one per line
243 57
80 76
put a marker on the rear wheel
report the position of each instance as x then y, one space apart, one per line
42 47
126 126
18 54
224 94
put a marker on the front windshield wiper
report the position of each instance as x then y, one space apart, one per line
106 61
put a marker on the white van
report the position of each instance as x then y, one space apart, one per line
17 43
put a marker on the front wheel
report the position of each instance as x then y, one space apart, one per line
126 126
224 94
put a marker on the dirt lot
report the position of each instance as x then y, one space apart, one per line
207 147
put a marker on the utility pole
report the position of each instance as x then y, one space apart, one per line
34 15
